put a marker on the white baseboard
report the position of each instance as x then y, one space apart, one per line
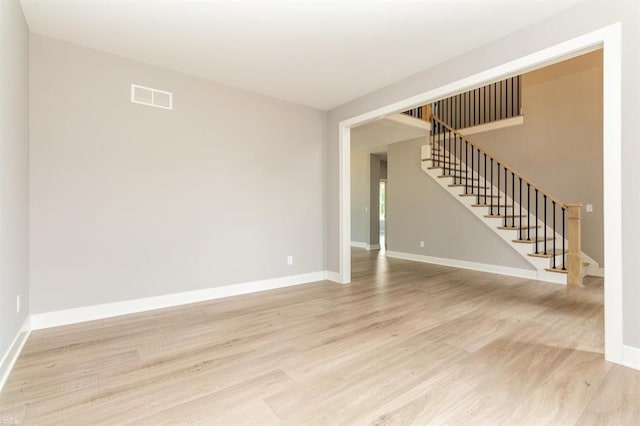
483 267
107 310
365 246
335 277
13 352
631 357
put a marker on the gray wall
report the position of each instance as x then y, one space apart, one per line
418 209
14 170
559 146
374 191
585 17
365 197
360 196
130 201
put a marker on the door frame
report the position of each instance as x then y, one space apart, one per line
609 39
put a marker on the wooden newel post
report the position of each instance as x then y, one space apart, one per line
574 235
426 112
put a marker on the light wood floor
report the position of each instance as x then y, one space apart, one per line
405 343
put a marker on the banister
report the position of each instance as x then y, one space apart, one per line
488 154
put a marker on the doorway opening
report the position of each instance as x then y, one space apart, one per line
609 38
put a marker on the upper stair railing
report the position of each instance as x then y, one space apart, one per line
493 102
486 177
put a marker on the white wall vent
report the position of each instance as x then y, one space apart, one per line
151 97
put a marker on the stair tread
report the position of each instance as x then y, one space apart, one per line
471 194
517 228
502 216
463 185
489 205
556 269
550 253
454 176
533 240
440 161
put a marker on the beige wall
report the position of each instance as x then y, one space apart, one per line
585 17
129 201
14 171
559 146
418 209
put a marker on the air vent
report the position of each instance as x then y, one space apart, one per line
151 97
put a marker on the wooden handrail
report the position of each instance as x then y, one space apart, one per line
511 169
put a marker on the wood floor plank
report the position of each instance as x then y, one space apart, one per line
617 400
404 343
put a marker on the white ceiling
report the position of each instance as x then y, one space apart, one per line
313 52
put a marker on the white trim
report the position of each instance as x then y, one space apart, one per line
365 246
13 351
107 310
344 209
464 264
609 38
631 357
595 272
494 125
612 191
333 276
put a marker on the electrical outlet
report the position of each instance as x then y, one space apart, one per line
289 260
18 304
422 244
589 208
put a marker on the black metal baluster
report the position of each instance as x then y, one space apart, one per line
460 105
498 194
519 97
478 193
520 203
477 106
513 200
491 186
466 166
563 253
495 102
440 147
536 221
553 211
505 102
469 110
528 211
512 98
474 108
447 164
544 198
485 178
506 193
455 157
484 108
464 110
433 140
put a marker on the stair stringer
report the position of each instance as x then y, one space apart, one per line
539 264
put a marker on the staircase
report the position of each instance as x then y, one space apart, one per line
542 229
